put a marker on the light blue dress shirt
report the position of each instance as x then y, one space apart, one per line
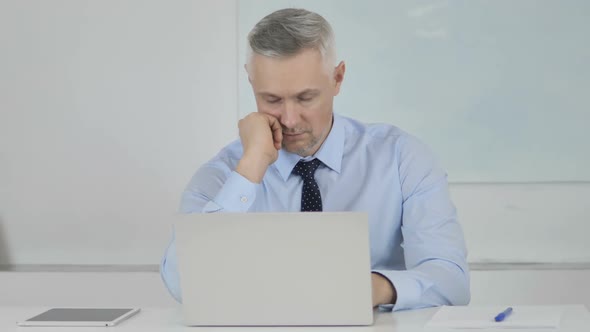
416 241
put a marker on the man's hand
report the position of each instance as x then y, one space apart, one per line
383 291
261 136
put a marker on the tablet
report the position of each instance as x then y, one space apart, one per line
80 317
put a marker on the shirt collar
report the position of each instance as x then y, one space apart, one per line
329 153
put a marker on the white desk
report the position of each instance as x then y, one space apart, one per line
576 319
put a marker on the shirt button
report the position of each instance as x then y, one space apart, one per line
244 199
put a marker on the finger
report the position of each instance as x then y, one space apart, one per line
277 132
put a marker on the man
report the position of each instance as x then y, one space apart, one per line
295 146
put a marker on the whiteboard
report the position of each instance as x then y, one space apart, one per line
498 89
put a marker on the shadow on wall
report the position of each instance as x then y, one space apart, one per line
4 254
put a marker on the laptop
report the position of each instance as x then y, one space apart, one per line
275 269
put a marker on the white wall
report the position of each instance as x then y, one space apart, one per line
107 109
525 223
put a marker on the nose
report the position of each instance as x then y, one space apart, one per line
289 115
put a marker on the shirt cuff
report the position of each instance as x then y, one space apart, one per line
236 195
409 288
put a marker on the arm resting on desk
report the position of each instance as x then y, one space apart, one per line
434 248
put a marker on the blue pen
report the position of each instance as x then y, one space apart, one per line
501 316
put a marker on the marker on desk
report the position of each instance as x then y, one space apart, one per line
501 316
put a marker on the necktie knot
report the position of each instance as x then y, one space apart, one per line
306 169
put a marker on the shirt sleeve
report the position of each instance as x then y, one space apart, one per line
434 248
214 188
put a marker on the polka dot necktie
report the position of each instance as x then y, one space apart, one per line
311 200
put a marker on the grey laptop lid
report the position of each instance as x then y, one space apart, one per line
275 269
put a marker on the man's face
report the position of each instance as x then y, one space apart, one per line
299 91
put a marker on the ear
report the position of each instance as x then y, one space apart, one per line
339 76
247 73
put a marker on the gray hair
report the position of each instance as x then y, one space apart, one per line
288 31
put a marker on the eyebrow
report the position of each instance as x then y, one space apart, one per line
304 92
